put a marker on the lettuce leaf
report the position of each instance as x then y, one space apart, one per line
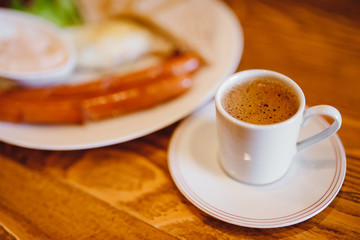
61 12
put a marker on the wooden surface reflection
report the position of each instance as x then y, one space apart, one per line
125 191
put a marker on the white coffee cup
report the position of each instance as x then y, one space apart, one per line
261 154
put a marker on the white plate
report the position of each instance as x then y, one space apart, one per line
309 186
226 47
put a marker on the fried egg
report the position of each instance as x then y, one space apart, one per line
115 42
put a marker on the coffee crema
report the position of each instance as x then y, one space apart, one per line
261 101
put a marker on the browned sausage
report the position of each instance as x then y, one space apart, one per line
51 112
106 97
174 66
55 110
39 111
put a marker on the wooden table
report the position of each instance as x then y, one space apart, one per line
125 191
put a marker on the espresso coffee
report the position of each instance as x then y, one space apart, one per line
261 101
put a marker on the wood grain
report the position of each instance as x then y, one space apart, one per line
125 191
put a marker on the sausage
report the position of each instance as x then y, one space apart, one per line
132 99
57 110
50 112
38 111
174 66
107 97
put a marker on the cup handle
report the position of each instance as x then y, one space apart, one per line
332 129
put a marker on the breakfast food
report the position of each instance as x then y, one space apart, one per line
33 51
114 42
124 64
19 56
106 97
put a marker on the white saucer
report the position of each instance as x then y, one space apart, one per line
310 185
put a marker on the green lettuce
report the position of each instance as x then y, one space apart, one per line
61 12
